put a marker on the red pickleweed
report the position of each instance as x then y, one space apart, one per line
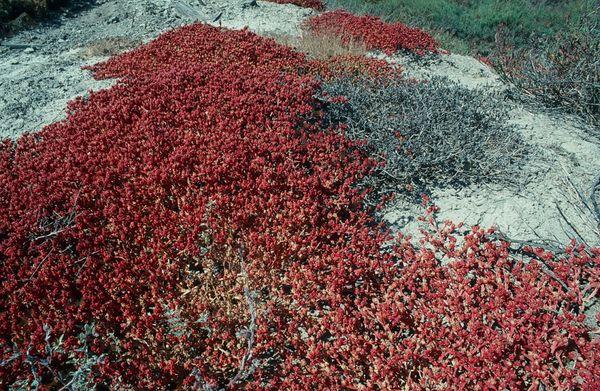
212 232
208 144
373 32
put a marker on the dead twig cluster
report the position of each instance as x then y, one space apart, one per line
56 223
583 223
430 134
244 369
561 71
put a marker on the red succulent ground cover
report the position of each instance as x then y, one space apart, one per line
316 4
373 32
199 217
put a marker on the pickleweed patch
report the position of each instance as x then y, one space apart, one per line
200 226
373 32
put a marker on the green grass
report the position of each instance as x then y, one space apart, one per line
468 26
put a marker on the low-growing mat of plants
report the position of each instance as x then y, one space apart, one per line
466 25
203 224
547 49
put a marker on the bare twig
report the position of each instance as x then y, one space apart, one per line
242 372
37 268
570 224
521 247
60 223
587 229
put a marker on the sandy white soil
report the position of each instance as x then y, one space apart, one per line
543 204
38 79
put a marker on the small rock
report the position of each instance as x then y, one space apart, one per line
29 50
22 21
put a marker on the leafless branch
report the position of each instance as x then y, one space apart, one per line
37 268
594 200
520 247
58 223
243 372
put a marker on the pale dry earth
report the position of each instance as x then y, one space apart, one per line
543 204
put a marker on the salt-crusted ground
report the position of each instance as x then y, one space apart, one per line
542 205
43 72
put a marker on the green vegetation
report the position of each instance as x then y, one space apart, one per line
562 70
468 26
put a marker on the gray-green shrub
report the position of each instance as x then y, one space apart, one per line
561 71
463 23
431 134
